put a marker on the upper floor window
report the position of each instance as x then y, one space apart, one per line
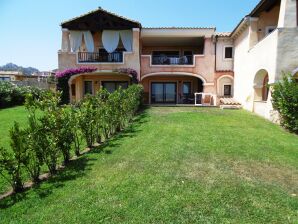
228 52
269 29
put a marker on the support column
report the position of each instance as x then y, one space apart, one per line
136 50
65 44
253 32
288 14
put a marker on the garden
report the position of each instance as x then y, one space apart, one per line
157 165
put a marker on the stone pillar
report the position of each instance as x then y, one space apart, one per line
287 14
253 32
79 88
136 50
65 44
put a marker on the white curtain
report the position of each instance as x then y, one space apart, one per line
110 40
126 37
75 40
88 41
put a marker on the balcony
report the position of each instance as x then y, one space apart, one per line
172 60
100 57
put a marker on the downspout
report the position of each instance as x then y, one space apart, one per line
215 53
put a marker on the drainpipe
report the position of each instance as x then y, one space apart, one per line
215 49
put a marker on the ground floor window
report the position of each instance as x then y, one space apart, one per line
227 90
4 78
111 86
88 87
73 89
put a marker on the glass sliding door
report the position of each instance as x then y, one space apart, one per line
170 92
163 92
157 93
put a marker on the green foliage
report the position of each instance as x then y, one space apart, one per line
52 135
11 162
285 101
184 165
75 128
12 95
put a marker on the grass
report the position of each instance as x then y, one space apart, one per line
173 165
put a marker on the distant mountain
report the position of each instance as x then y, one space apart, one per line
14 67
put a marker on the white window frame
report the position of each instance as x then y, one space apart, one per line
224 52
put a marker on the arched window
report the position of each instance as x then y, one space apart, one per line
265 88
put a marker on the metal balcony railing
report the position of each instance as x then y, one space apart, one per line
100 57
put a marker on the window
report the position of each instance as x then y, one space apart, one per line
228 53
88 88
227 90
4 78
166 53
111 86
186 88
165 57
269 29
73 89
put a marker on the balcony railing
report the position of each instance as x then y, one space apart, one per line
172 60
100 57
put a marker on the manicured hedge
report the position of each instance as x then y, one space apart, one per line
58 132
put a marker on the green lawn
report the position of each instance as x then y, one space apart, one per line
174 165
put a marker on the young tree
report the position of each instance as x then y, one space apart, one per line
285 101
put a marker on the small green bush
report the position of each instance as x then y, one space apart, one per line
11 162
285 101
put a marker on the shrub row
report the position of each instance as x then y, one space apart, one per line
12 95
61 129
285 101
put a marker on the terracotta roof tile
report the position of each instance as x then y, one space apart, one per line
223 34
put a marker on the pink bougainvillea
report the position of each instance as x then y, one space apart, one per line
129 71
73 71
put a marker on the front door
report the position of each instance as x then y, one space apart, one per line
163 92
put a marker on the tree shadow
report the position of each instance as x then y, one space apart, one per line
74 169
130 132
77 168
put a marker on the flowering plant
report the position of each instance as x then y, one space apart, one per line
73 71
129 71
64 76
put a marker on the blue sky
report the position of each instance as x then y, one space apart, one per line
31 35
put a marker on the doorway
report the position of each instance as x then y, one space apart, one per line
164 92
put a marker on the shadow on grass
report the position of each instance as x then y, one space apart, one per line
131 131
77 168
